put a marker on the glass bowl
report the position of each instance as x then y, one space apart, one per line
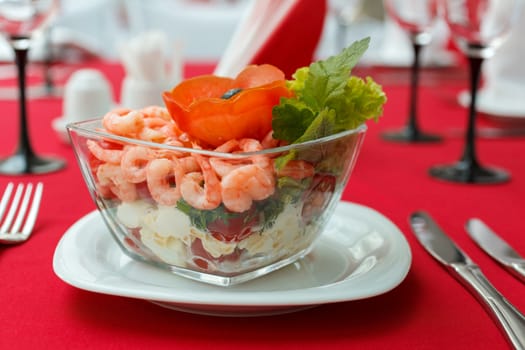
222 217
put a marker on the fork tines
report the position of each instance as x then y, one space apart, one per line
18 222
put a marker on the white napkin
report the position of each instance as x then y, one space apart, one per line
260 19
504 74
149 69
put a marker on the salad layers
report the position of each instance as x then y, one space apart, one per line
234 174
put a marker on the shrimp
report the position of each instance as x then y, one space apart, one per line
152 135
134 162
189 164
169 153
223 167
123 122
112 156
163 178
158 125
202 190
228 146
269 141
245 184
252 145
297 169
110 175
156 112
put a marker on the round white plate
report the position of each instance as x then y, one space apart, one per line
504 109
360 255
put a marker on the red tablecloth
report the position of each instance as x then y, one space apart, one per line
428 310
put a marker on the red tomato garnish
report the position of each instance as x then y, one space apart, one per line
258 75
198 109
235 229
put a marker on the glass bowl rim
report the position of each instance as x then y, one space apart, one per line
83 128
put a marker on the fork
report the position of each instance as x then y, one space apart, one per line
14 229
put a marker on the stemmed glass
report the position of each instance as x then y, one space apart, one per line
19 19
416 17
478 27
345 13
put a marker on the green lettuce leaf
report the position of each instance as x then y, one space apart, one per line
328 99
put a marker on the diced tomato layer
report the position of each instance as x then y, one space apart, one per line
317 197
234 229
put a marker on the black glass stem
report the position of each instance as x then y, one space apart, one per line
24 160
468 169
49 84
412 132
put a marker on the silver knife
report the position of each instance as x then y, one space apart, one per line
441 247
496 247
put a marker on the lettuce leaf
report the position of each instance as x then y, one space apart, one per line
328 99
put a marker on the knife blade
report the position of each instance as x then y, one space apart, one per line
496 247
509 320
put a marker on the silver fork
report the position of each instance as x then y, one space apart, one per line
17 226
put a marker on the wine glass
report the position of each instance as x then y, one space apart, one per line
345 13
19 19
416 17
478 27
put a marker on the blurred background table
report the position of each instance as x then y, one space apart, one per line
428 310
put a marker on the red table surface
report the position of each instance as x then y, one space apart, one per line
428 310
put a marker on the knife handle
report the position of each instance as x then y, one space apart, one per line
509 319
519 270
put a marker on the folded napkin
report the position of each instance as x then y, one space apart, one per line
149 70
284 33
504 74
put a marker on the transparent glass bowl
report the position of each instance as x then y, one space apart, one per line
216 217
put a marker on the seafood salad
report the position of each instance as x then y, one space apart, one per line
232 174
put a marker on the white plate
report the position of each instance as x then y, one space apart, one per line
503 108
360 255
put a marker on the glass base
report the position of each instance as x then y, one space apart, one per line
409 135
460 172
20 164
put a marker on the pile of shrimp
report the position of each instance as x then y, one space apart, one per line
203 182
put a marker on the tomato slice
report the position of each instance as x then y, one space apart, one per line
236 228
201 87
258 75
198 109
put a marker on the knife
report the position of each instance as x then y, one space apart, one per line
496 247
510 321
